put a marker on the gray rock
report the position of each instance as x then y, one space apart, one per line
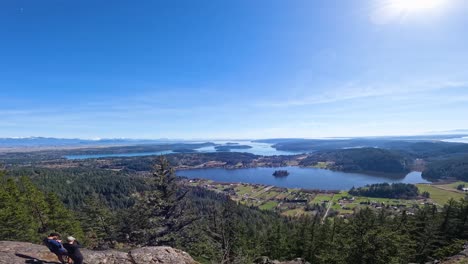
153 255
21 252
106 257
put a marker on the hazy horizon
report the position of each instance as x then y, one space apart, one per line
457 132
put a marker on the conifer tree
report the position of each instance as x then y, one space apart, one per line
98 223
62 220
36 203
159 214
16 221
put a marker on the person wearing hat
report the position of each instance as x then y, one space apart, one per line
54 244
73 248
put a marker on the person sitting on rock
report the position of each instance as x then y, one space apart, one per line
73 248
55 246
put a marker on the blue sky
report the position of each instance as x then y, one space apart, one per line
231 69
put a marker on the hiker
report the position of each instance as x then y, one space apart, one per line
73 248
55 246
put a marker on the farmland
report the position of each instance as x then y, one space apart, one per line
296 202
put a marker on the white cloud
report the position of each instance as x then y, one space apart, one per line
355 90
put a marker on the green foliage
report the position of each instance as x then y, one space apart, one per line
159 214
224 231
360 159
426 194
385 190
75 185
99 223
448 168
17 223
27 214
61 219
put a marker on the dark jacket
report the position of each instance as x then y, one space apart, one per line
55 246
74 250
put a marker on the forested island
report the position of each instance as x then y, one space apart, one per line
280 173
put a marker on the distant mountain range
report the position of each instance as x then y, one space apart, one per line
74 142
77 142
450 132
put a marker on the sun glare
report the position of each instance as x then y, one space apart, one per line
415 5
387 11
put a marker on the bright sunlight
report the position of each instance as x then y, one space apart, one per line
410 6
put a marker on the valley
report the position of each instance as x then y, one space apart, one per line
297 202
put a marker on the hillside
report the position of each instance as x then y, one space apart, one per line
360 160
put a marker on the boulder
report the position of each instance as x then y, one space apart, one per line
21 252
153 255
106 257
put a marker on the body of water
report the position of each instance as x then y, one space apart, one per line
307 178
457 140
263 149
104 155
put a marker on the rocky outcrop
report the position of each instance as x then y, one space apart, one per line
460 258
21 252
160 255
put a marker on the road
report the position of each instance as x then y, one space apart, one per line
262 191
330 203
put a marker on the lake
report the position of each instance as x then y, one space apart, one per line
307 178
263 149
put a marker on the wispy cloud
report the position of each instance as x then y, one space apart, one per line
356 90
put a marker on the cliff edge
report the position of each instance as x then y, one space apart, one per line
12 252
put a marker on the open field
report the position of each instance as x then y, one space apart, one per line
440 195
296 202
452 186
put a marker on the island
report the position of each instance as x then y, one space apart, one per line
280 173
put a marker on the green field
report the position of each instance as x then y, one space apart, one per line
453 185
243 189
270 205
322 165
438 195
294 212
320 198
255 195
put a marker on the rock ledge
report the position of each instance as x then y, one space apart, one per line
12 252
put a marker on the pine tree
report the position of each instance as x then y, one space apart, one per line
36 203
159 214
62 220
425 233
16 221
98 223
